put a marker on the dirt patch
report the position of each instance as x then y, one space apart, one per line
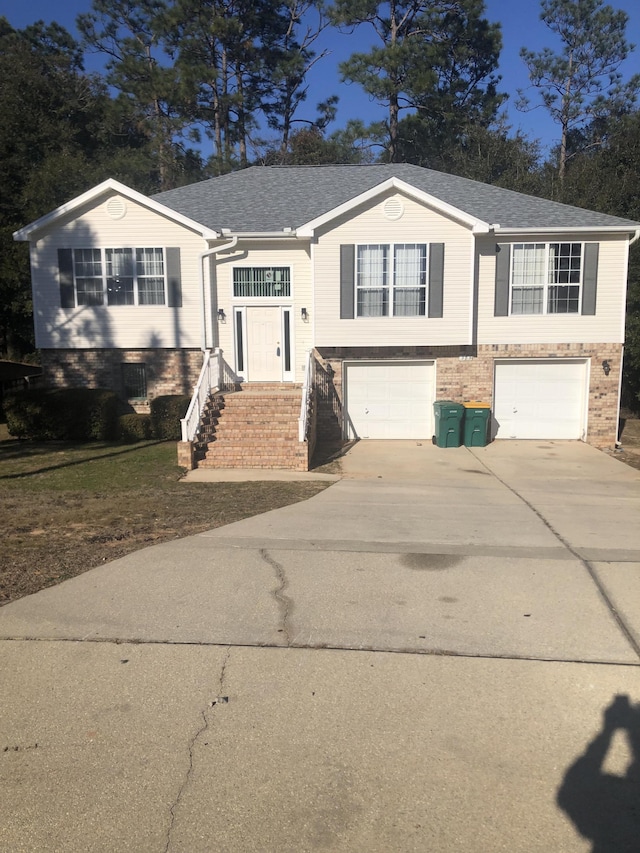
66 510
629 450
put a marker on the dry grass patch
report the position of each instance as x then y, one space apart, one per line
68 509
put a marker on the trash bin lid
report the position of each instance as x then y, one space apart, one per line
474 404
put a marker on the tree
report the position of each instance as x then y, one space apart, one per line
583 81
128 33
437 58
295 57
60 134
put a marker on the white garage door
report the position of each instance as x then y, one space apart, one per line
540 399
389 399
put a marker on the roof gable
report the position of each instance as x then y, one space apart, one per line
92 195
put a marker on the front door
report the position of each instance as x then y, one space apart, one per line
264 344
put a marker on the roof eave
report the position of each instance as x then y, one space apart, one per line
26 233
567 229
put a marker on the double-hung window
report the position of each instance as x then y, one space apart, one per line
391 280
119 276
546 278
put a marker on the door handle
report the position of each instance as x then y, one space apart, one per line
278 351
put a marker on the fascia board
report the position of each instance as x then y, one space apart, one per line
309 228
568 229
94 193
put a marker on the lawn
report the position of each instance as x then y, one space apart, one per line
65 509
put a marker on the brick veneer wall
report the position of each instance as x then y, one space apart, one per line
169 371
466 373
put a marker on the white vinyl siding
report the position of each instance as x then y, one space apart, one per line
419 225
118 326
607 326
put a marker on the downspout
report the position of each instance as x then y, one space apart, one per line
617 442
203 302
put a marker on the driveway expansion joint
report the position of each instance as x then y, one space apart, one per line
192 745
613 611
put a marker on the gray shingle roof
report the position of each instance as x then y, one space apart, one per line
270 198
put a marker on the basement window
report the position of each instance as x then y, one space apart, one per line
134 380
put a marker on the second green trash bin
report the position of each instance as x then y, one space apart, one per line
448 423
476 424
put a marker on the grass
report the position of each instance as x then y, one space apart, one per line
66 509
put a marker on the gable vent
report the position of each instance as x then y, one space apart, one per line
116 208
393 208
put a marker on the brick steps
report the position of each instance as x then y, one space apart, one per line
256 427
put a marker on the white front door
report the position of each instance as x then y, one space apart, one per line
264 344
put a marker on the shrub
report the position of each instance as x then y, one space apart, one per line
166 413
66 414
132 428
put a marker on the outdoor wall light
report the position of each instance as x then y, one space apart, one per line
304 314
606 367
221 315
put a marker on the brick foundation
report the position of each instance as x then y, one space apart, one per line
466 373
168 371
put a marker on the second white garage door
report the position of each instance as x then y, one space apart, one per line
540 399
389 399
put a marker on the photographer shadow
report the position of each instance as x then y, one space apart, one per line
605 808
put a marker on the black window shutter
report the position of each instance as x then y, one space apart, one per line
590 278
347 281
436 279
174 279
65 271
503 258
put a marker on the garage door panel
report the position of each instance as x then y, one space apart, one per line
387 401
540 400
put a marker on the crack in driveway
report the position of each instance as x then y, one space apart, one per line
285 603
616 616
192 744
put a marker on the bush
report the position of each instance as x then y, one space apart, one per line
132 428
66 414
166 413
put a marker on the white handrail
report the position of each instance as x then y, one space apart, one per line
307 388
208 381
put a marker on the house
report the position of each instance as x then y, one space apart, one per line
353 296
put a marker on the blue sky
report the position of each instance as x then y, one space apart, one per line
521 26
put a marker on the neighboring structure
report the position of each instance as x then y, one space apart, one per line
407 285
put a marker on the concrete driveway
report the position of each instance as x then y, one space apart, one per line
424 657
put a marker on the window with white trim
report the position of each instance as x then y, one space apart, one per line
391 280
261 282
546 278
119 276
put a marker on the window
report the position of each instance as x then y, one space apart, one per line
391 280
134 380
261 282
546 278
119 276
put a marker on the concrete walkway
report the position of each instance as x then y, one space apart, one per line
423 657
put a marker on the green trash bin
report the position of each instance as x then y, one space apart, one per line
476 423
448 423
